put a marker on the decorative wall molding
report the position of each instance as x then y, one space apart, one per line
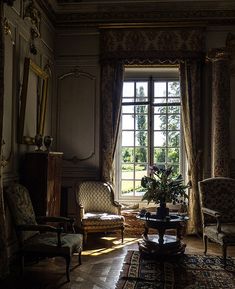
7 29
89 151
32 14
77 72
218 54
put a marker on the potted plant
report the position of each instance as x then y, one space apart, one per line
162 188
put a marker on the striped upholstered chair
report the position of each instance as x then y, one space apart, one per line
97 210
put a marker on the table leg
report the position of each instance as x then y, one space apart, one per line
146 230
161 232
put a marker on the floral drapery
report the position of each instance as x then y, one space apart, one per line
111 87
190 83
221 113
3 240
149 46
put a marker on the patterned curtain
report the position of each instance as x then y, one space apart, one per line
3 241
190 80
111 90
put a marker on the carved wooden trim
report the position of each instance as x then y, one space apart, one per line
76 72
94 13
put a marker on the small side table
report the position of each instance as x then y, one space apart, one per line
163 244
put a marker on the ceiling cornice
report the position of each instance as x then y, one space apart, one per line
96 13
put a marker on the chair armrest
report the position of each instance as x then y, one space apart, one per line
42 228
80 212
54 219
118 205
216 214
57 219
210 212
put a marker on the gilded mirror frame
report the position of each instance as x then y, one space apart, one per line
37 96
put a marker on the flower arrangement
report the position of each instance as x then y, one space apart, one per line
162 188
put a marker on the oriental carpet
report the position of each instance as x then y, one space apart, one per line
184 272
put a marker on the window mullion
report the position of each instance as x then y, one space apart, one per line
151 124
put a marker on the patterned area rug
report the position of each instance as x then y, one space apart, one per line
186 272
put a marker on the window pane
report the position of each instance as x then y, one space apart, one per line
124 100
173 121
173 139
176 170
173 88
140 171
141 155
159 100
138 189
160 122
141 138
159 89
159 139
127 155
141 121
127 121
128 109
127 188
141 109
127 138
141 91
173 100
173 109
128 89
160 109
173 155
127 171
159 155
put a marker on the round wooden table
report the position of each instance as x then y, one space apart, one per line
163 244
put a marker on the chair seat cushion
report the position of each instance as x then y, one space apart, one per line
47 243
102 219
227 234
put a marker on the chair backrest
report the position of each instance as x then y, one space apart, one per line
96 196
218 193
21 208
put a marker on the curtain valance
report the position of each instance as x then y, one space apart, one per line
152 45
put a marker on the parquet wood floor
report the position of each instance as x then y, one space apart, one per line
101 263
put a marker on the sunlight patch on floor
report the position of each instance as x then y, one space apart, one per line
117 244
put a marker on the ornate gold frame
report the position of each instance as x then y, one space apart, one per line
42 81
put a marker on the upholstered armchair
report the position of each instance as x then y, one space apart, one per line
97 210
217 197
40 239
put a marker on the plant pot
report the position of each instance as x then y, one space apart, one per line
162 211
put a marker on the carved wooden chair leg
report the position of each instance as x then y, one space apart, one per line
224 250
122 230
79 258
205 244
84 238
68 267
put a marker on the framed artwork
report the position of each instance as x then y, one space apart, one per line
33 101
